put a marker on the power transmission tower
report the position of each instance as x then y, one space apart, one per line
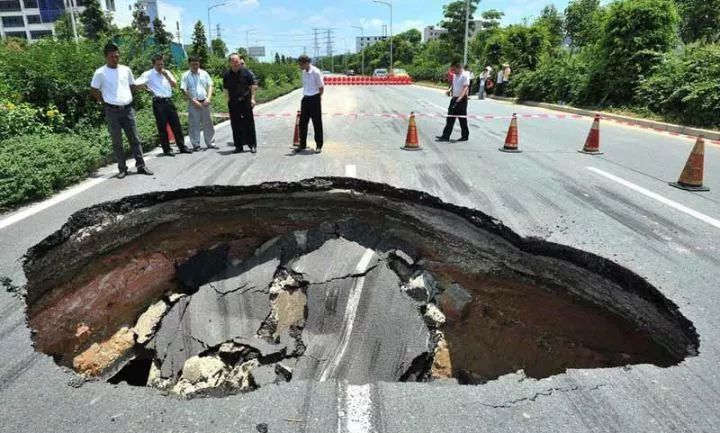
330 49
316 53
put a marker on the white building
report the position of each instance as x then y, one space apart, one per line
123 17
35 19
362 42
430 33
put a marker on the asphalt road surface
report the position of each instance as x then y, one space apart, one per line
617 205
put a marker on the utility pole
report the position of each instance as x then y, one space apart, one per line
330 50
217 32
389 4
467 30
362 50
70 4
316 46
210 27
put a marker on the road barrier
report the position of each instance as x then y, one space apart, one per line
367 81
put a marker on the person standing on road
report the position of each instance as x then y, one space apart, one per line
311 105
198 87
459 91
506 76
471 75
113 85
499 82
160 82
484 77
239 86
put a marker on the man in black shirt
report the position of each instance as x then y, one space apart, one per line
239 86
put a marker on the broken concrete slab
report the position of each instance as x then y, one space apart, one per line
455 302
106 357
147 323
336 258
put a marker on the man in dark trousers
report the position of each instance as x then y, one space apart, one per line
113 85
311 107
459 90
239 86
160 82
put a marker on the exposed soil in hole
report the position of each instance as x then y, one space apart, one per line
213 291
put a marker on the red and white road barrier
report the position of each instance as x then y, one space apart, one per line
367 81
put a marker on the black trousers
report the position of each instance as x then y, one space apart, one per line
166 113
311 108
242 122
457 109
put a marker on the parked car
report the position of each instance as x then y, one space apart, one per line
380 73
350 73
399 72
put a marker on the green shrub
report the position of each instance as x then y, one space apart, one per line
23 118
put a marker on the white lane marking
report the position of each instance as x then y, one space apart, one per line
443 109
73 191
358 409
666 201
350 313
350 170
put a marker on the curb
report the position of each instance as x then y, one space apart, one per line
714 136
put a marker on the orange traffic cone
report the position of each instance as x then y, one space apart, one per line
411 142
511 140
171 136
592 143
296 136
691 178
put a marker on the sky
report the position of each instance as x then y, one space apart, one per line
287 26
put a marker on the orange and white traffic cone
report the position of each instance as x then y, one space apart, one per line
592 143
511 140
171 136
296 136
411 142
691 178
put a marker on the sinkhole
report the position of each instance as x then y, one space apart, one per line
213 291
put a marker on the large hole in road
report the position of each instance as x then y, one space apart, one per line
219 290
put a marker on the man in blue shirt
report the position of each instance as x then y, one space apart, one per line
198 87
239 86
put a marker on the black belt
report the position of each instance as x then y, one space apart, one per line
155 99
117 107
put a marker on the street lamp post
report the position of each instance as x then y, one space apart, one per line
388 3
467 30
362 51
70 4
209 27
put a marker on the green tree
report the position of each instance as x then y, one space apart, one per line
63 28
162 36
523 47
553 22
141 21
199 42
636 35
283 60
582 22
94 20
219 48
277 58
700 20
454 23
490 19
480 47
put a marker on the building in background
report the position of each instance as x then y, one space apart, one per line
362 42
430 33
35 19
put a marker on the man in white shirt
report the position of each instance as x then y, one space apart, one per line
159 81
311 106
198 87
459 90
113 85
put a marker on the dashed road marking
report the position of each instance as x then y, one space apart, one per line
666 201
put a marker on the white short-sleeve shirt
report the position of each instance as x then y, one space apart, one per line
157 83
459 83
114 84
312 81
197 85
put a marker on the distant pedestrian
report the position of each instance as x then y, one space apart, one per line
160 82
499 83
198 87
485 81
471 74
459 91
239 86
113 85
507 72
311 105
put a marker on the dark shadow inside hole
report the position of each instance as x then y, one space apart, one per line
135 373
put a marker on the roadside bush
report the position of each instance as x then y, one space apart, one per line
33 166
23 118
685 87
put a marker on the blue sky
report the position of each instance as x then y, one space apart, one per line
287 26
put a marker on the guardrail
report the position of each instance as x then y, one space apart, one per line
367 81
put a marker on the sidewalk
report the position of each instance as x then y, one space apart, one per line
710 135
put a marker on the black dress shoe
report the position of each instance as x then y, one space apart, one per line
169 153
212 146
441 138
463 138
145 170
253 149
122 174
238 150
196 148
186 150
318 150
299 149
